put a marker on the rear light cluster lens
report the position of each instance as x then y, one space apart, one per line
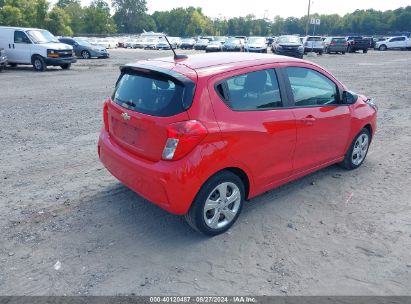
182 138
105 116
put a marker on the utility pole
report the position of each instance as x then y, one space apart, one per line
308 18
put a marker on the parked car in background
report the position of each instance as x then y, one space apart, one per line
313 44
214 46
162 44
264 121
138 43
201 44
150 43
3 59
175 41
357 43
187 44
288 46
335 45
399 42
84 49
256 44
233 45
37 47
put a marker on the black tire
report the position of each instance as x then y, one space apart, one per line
196 215
343 53
364 51
320 53
66 66
383 47
39 64
85 54
348 162
13 65
327 51
1 69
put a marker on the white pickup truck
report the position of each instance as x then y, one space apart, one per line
398 42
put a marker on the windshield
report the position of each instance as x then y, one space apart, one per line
289 39
82 42
233 41
256 40
41 36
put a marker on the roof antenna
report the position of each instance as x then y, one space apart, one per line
176 56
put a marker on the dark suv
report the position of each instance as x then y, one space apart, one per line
288 46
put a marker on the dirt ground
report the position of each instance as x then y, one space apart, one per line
69 228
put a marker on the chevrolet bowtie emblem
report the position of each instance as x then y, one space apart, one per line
125 116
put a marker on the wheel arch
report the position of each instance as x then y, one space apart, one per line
241 173
369 128
35 55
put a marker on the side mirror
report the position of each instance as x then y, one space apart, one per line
349 97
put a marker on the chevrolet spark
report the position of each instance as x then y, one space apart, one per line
199 136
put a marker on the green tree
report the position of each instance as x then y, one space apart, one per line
129 15
97 18
59 22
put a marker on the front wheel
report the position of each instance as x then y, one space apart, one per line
365 51
382 47
358 150
217 205
39 64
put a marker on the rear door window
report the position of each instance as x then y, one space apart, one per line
311 88
252 91
149 94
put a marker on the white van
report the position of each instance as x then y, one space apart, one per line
35 46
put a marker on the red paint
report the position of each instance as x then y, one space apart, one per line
271 147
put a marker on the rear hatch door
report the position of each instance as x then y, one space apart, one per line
146 100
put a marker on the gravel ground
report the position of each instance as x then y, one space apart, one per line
69 228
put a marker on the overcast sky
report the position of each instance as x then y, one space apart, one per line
270 8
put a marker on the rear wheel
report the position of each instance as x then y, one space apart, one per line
38 64
383 47
343 52
85 54
365 51
217 205
358 150
66 66
13 65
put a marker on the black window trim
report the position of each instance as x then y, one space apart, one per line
281 87
27 36
290 95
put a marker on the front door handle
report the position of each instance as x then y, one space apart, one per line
308 120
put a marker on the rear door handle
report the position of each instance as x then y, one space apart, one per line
308 120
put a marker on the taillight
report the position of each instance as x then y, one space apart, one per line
332 43
105 115
182 138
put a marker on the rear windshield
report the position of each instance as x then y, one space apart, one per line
339 40
314 39
150 94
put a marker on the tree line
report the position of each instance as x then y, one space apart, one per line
69 17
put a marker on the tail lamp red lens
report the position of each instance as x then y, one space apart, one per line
105 116
182 138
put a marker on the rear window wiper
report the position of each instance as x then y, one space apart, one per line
126 102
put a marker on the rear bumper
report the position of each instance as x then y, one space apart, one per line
170 185
60 61
316 50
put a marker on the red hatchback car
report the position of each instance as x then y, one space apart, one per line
200 135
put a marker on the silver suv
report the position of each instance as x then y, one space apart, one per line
313 44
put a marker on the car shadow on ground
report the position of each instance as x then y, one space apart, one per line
127 213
